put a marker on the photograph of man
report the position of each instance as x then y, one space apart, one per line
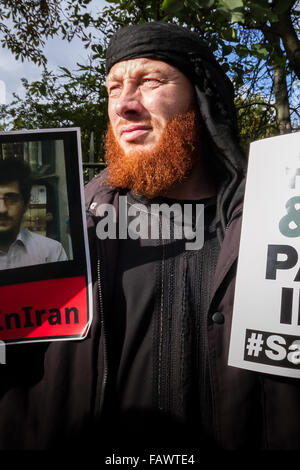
20 246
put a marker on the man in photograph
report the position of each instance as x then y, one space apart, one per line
19 246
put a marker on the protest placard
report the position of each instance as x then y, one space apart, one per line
45 280
265 334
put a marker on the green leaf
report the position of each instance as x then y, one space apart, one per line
237 17
172 6
242 50
205 3
232 10
260 50
43 89
226 49
229 34
261 13
225 67
231 4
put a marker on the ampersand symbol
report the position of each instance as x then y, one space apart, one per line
289 225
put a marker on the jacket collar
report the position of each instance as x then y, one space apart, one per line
97 192
229 249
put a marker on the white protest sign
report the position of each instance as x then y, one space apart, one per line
265 333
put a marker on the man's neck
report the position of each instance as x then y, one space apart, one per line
5 244
198 185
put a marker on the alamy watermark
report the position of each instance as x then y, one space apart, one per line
154 221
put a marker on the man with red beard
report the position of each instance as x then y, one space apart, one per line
165 311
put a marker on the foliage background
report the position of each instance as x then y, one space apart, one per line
256 42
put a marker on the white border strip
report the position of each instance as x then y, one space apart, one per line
85 234
40 131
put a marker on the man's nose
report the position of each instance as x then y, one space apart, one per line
129 104
3 207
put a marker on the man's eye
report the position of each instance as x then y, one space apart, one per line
11 198
150 81
114 89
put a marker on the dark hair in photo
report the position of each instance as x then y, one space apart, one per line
15 169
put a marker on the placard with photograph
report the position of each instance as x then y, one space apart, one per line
45 280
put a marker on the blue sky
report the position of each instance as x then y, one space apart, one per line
58 53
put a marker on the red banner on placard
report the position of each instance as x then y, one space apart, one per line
51 309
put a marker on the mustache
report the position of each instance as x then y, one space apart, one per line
134 122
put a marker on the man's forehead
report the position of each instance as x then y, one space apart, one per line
142 65
11 186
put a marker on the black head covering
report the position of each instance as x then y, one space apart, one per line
185 50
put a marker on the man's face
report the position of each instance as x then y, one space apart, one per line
12 208
144 94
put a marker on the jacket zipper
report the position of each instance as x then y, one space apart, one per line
101 308
160 359
102 322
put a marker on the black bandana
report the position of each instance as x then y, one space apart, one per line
163 41
186 51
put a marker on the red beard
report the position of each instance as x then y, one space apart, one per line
151 173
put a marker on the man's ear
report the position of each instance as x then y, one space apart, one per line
26 206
